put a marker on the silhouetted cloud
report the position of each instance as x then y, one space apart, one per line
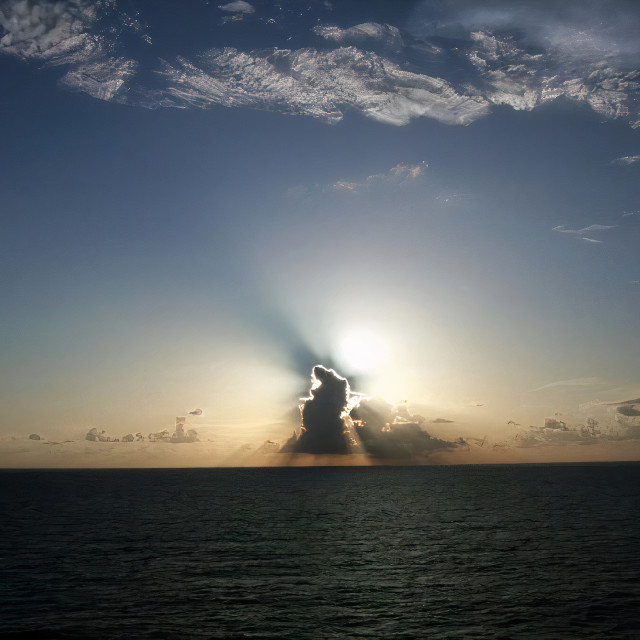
389 432
336 420
323 429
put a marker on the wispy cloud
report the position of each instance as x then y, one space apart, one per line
527 54
402 174
626 160
573 383
593 227
581 232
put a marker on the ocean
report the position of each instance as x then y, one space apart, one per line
504 551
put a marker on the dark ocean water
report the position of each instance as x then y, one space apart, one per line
380 552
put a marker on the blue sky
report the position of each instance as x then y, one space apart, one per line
307 174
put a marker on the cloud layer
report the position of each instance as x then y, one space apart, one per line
502 53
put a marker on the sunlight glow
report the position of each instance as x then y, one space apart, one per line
362 351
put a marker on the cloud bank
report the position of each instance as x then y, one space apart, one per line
521 55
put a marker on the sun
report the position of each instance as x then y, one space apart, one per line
362 351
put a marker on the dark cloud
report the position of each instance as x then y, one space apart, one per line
323 428
337 421
385 431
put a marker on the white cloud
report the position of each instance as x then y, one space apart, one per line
62 33
524 81
529 53
385 34
581 232
402 174
51 31
343 185
321 84
592 227
626 160
522 55
102 79
239 6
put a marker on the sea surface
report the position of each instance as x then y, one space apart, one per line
522 551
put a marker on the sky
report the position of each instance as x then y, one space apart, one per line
202 201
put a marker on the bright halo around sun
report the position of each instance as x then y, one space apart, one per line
362 351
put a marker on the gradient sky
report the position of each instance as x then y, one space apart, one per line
200 203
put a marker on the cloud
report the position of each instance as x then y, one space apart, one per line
526 54
323 429
626 160
321 84
102 78
336 420
504 53
593 227
239 6
67 34
51 31
581 232
592 423
389 432
401 174
574 382
384 34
